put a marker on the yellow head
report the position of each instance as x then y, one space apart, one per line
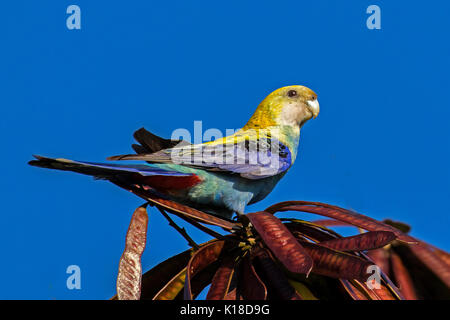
288 106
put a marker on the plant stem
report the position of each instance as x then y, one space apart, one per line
180 230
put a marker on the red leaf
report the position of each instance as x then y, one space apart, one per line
388 290
222 280
275 279
199 261
381 259
441 254
335 264
352 290
253 287
130 269
438 266
159 276
331 223
341 214
310 231
381 293
365 241
281 242
402 278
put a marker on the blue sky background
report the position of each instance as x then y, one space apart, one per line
380 145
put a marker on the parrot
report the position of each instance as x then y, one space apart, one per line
220 177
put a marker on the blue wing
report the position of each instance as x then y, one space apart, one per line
250 157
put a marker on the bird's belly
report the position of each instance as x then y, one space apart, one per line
222 193
226 192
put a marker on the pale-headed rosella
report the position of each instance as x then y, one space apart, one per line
222 176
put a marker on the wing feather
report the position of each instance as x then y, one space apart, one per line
253 156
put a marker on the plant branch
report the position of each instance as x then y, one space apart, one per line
180 230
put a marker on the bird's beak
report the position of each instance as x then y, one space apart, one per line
313 106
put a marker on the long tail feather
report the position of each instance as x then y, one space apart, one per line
138 173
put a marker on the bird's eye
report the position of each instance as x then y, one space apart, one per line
292 93
313 98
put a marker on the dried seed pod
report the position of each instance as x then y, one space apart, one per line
275 279
365 241
337 264
281 242
252 287
130 269
340 214
201 259
402 277
222 279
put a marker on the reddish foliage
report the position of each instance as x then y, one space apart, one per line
268 258
281 242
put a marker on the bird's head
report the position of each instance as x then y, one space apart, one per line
288 106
